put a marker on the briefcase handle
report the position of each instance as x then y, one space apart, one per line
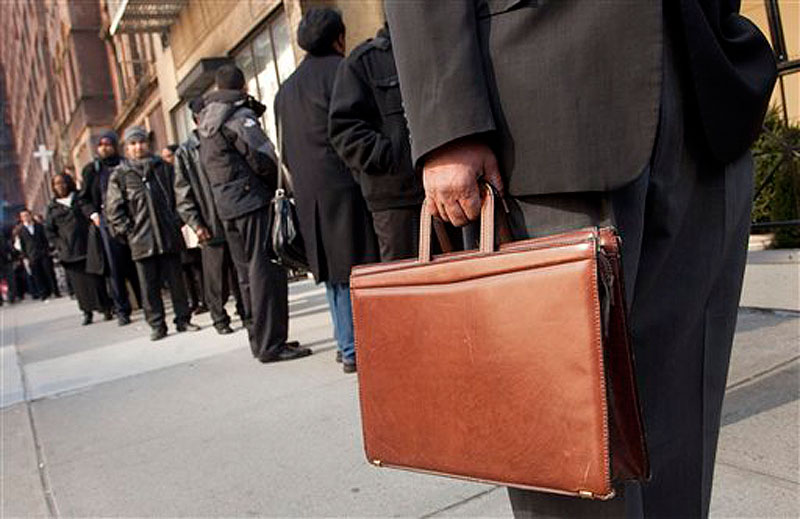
487 225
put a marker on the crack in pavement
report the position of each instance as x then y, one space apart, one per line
460 502
44 477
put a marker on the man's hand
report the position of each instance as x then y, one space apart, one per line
450 176
203 234
95 217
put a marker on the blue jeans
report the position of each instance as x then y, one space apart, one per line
342 315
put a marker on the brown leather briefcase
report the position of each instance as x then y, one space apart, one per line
508 366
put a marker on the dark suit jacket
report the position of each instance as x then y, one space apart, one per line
34 247
568 92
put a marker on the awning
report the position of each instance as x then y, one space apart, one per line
131 16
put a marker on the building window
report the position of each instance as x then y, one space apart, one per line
182 118
267 59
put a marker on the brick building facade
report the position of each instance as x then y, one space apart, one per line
10 191
58 87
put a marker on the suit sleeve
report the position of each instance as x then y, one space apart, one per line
185 201
116 208
254 145
351 127
440 66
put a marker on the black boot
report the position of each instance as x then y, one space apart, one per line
87 318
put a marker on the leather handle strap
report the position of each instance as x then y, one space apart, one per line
487 226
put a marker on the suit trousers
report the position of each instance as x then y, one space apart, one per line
684 225
263 284
220 282
153 272
397 230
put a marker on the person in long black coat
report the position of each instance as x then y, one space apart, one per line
334 219
641 114
67 229
119 267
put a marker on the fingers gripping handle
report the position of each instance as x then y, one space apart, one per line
487 226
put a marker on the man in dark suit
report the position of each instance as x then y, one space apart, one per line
590 113
35 248
334 219
119 263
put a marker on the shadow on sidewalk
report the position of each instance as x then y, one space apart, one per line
779 388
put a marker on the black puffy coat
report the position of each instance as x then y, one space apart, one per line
237 156
140 207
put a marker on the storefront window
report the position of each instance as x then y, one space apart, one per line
183 121
267 59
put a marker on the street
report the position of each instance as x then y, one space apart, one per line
99 421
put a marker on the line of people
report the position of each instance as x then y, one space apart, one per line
342 135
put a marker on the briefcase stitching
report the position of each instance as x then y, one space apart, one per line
601 363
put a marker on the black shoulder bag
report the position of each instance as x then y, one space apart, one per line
287 242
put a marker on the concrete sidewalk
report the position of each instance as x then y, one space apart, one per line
99 421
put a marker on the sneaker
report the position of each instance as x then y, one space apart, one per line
187 327
158 333
123 320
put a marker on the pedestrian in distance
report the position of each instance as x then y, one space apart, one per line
140 210
589 113
334 218
240 163
32 243
67 228
118 266
368 129
194 201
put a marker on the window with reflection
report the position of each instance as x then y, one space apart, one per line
267 59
